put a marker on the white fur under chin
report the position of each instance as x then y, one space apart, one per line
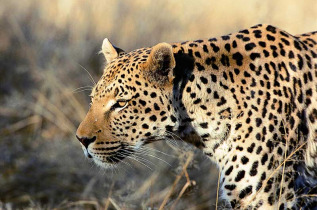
104 165
138 145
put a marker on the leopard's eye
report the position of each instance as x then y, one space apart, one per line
122 103
119 105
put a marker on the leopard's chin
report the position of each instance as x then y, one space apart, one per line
107 163
104 164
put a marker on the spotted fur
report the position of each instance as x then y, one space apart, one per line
248 100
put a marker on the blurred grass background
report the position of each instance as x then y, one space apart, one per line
45 47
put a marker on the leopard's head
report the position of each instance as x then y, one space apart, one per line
130 105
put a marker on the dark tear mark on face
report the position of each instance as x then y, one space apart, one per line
182 73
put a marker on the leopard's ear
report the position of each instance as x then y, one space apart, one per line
160 64
110 51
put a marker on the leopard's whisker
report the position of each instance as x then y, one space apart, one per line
157 158
90 77
150 149
122 161
83 88
135 159
144 151
137 156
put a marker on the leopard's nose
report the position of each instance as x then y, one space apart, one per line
86 141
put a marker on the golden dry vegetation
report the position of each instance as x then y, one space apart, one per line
46 48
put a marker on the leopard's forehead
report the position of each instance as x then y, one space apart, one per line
121 70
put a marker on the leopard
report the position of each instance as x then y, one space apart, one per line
248 100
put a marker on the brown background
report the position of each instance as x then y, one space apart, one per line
45 47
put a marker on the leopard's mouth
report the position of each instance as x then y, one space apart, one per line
106 159
118 156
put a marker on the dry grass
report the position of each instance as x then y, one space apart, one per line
43 96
